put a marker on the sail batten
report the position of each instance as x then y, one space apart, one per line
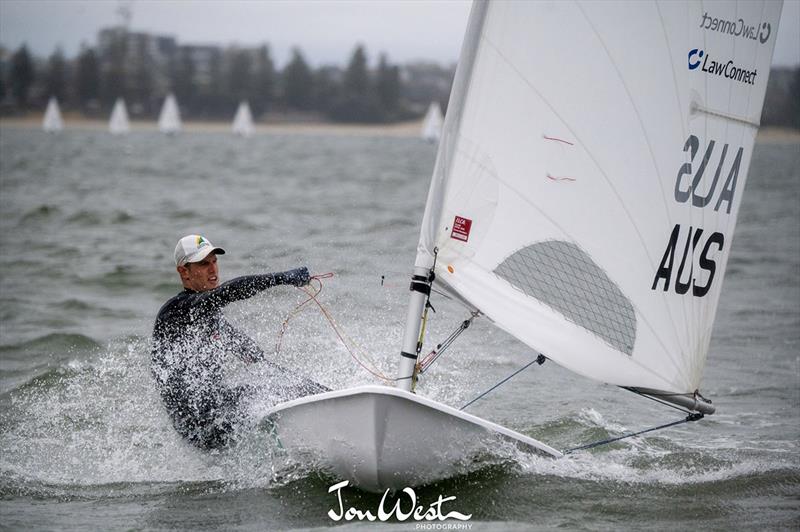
585 197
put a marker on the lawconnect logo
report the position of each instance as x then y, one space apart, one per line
700 59
737 28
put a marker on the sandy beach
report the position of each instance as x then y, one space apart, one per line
76 121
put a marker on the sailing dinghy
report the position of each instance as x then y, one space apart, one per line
118 124
584 199
169 121
243 121
432 123
52 121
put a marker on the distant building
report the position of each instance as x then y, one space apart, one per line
205 62
135 65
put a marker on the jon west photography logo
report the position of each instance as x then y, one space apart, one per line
406 507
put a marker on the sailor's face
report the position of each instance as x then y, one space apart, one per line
201 276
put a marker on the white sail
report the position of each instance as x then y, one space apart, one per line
118 123
52 121
243 121
432 123
169 121
590 172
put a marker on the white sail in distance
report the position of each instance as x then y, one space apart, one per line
119 124
432 123
589 176
169 121
52 121
243 121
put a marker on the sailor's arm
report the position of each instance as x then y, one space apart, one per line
249 285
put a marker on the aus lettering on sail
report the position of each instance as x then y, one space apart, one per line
704 187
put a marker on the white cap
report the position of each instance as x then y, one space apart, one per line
194 248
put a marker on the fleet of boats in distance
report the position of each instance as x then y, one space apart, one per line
243 124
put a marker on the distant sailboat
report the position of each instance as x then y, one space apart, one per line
243 121
169 121
118 123
432 125
52 122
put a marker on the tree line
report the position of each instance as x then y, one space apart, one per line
353 94
91 84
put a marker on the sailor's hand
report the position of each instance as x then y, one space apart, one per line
298 277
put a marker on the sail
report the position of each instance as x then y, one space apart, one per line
169 121
590 172
243 121
118 123
432 123
52 121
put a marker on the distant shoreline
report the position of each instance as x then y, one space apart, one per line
778 135
400 129
766 135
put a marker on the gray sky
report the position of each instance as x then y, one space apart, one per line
326 30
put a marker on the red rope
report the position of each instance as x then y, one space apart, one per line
312 296
557 140
565 178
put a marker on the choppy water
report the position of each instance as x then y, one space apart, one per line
87 227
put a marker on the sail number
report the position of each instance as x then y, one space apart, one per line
699 185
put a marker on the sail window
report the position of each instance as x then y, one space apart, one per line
564 277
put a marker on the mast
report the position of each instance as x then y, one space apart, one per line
423 275
412 341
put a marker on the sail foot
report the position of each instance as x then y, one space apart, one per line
691 401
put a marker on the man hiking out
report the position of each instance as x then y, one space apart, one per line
192 339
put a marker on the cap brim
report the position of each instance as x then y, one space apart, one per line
203 253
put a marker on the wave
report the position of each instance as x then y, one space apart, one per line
99 431
41 360
74 305
92 218
52 342
120 276
97 422
42 212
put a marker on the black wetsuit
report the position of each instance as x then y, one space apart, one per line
192 338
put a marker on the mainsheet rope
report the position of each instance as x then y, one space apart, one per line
695 416
313 290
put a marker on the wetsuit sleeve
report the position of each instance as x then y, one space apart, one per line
249 285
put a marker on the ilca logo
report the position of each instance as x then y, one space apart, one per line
700 59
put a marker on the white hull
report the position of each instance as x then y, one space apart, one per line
380 437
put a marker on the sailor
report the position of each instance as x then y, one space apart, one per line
192 339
